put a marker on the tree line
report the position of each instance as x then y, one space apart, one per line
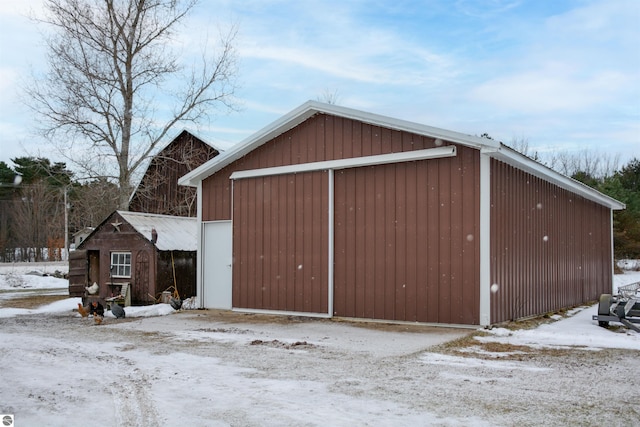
40 201
600 171
623 185
35 193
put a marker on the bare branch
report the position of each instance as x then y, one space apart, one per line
110 66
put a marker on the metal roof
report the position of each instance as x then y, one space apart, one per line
310 108
175 233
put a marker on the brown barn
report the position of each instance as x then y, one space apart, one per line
148 253
331 211
158 191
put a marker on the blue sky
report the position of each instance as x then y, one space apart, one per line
565 75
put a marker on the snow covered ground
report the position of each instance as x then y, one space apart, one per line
205 368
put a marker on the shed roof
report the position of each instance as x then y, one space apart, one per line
310 108
175 233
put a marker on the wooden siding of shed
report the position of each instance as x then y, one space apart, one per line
280 243
406 241
550 248
78 271
322 137
158 191
177 269
106 240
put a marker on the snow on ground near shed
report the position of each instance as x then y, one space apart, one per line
46 268
151 372
70 304
29 278
576 330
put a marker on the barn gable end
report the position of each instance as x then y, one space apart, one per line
158 191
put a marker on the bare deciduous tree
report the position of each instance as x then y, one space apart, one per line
522 146
597 165
115 85
158 191
329 96
91 202
37 217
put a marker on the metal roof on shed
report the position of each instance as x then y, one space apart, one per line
174 233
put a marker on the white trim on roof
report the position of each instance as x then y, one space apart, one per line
311 108
522 162
350 162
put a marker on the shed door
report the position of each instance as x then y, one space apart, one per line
78 269
216 268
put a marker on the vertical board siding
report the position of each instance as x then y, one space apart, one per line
158 190
550 248
404 250
321 137
280 243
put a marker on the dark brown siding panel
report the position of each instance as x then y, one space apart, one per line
158 191
401 245
550 248
280 243
322 137
216 206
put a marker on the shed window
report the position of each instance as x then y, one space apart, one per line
120 264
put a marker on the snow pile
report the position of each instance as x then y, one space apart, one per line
146 311
629 264
70 305
468 362
577 330
22 279
32 281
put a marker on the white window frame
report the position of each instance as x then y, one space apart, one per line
119 268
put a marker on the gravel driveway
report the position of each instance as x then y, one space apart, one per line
216 368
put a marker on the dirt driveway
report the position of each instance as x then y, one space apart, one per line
217 368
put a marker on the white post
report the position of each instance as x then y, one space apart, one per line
65 255
330 257
485 239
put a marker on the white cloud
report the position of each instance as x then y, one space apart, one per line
551 89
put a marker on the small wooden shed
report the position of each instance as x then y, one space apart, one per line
331 211
138 254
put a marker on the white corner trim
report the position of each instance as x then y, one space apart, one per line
331 243
354 162
200 252
485 239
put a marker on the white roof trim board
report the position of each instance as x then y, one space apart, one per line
350 162
175 233
310 108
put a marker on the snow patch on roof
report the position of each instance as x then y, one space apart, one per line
175 233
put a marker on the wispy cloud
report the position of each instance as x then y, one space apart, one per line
552 72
